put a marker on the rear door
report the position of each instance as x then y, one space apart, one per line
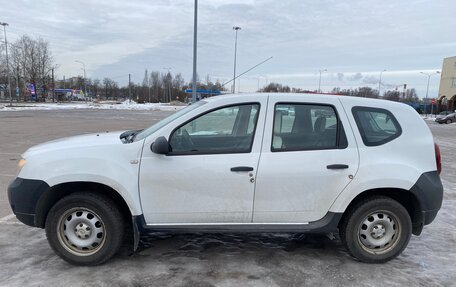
309 155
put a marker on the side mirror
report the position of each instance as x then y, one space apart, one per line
160 146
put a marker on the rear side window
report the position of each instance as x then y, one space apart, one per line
306 127
376 126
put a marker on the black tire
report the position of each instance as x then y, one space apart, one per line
84 228
376 229
449 121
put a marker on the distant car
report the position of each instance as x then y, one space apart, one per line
447 119
239 164
441 115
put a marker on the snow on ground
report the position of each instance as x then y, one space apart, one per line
105 105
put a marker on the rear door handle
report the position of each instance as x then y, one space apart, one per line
242 168
337 166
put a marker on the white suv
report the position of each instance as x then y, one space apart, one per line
365 168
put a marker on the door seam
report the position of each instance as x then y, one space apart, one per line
259 157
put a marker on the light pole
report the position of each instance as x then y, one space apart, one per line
84 67
427 89
148 87
195 39
7 63
380 83
319 81
236 29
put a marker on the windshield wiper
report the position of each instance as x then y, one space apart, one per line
129 136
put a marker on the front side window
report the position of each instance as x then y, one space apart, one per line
225 130
376 126
306 127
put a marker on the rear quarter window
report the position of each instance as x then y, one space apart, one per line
376 126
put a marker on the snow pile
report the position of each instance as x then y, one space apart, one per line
108 105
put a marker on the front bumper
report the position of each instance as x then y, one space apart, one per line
23 196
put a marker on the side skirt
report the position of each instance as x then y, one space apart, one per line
329 223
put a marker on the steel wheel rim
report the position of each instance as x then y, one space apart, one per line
81 231
379 232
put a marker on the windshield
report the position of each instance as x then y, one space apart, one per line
150 130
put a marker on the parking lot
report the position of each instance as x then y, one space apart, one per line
209 260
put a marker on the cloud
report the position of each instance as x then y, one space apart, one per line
340 77
371 80
355 77
349 38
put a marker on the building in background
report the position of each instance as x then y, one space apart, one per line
447 90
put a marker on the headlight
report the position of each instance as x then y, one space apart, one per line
20 165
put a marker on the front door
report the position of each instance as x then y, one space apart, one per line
209 175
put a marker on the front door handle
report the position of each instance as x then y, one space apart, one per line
241 168
337 166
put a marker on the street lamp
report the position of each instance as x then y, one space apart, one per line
84 67
7 63
195 54
235 28
427 89
380 82
319 81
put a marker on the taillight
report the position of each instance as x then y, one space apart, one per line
438 159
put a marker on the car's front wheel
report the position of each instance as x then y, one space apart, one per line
376 230
85 228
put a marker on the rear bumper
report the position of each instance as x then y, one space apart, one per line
428 190
23 196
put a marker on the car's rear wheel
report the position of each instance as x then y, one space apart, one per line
449 121
85 228
376 230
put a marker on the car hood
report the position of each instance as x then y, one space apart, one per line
76 142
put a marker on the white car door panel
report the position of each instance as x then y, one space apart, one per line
195 183
300 174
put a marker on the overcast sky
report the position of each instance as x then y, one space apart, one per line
353 40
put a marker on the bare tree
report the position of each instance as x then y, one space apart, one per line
32 59
276 88
411 96
111 89
367 92
3 73
392 95
156 85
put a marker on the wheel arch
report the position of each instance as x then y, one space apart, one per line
59 191
404 197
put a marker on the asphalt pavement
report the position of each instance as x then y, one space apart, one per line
209 259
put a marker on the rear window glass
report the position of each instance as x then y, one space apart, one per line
376 126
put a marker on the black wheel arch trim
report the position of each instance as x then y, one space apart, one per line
24 195
32 199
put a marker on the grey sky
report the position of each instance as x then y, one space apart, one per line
353 40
